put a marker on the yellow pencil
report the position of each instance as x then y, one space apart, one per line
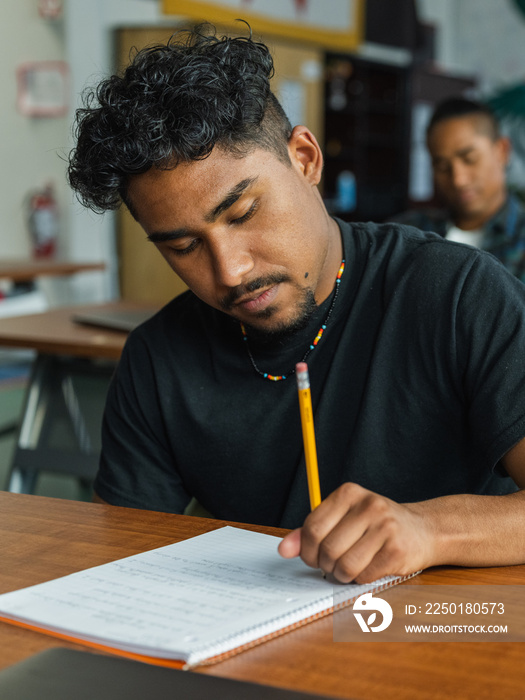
307 424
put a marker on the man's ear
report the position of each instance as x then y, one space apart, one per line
305 154
504 149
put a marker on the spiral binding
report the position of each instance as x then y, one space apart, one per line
207 657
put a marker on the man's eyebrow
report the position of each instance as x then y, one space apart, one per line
457 154
465 151
233 195
460 152
161 236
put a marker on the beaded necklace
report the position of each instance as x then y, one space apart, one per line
281 377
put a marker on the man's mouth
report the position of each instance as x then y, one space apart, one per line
255 295
259 301
466 196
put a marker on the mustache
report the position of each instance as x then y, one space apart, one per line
228 301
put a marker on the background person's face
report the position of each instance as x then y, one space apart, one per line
469 169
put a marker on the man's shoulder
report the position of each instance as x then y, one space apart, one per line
180 319
513 196
391 256
427 219
392 237
519 205
177 307
401 251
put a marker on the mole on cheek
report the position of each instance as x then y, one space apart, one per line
306 274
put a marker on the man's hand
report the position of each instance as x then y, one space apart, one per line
357 535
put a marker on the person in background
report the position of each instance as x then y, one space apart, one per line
417 373
469 159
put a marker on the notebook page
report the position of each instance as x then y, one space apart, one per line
189 600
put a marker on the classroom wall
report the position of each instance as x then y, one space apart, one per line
485 38
89 31
442 14
490 42
29 147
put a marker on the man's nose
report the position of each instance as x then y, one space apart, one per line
459 175
232 263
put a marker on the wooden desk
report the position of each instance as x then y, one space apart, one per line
69 354
45 538
55 333
28 269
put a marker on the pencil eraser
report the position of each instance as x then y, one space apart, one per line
301 367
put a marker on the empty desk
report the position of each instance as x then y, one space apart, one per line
60 426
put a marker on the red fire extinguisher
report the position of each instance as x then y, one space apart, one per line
43 221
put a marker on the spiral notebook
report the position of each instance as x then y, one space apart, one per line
196 601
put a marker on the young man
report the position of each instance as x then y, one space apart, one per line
417 372
469 158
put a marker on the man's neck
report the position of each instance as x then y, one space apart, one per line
475 222
470 224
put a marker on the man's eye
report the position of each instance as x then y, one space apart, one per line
188 249
246 217
440 167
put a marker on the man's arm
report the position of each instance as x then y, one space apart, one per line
358 535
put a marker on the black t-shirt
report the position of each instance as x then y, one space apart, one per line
418 388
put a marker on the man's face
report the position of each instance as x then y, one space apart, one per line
469 169
249 236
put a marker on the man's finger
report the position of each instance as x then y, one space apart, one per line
290 545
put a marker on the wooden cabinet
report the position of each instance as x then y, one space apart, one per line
366 132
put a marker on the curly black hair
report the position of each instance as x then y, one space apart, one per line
174 103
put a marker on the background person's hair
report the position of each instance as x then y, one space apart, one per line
457 107
174 103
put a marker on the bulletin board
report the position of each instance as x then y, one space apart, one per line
332 24
43 88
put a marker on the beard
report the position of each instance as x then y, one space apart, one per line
282 330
